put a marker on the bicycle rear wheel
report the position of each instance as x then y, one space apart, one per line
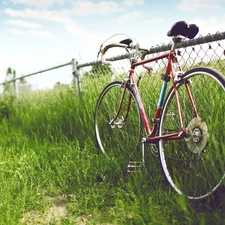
195 165
118 139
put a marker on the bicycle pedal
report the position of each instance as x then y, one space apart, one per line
134 166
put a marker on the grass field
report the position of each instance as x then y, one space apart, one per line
52 173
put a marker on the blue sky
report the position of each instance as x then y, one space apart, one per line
38 34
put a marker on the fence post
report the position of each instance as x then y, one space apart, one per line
76 78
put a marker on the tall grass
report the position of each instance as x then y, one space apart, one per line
48 150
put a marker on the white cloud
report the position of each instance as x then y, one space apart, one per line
78 31
38 3
129 17
130 3
154 21
4 3
36 33
15 31
22 23
82 7
211 25
192 5
88 8
42 34
38 14
70 25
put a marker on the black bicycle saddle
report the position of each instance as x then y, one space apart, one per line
184 29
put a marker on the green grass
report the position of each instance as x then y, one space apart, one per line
49 160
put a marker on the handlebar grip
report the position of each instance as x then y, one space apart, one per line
148 67
106 48
146 51
104 61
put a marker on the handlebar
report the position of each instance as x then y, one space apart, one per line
149 68
135 47
106 48
181 28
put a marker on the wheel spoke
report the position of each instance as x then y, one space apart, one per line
195 165
118 137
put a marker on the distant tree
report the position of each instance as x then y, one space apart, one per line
10 85
10 75
60 85
22 80
7 100
57 84
98 70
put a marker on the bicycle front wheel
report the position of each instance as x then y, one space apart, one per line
118 131
195 164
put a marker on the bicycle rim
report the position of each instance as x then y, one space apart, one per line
120 140
194 165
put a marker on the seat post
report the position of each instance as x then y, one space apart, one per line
176 40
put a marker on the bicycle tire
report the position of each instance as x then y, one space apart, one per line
195 165
120 140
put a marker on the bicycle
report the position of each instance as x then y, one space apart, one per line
187 132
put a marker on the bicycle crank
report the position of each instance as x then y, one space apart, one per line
197 135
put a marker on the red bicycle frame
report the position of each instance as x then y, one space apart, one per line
152 132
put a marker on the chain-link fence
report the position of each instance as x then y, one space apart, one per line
202 51
206 51
41 80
